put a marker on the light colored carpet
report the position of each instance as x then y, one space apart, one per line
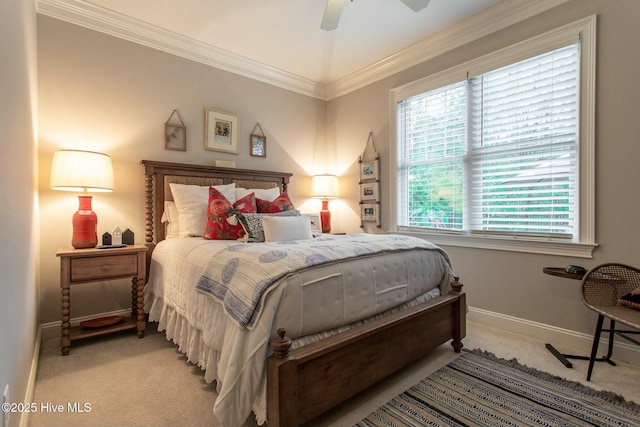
127 381
147 382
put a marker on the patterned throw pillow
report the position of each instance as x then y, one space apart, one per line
221 216
280 204
252 224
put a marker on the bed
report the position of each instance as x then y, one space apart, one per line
294 360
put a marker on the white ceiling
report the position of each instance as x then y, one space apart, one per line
280 41
286 34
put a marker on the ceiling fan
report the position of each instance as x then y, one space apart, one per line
334 10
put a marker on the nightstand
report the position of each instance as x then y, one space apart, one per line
79 266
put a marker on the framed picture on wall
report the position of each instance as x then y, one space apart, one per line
370 191
369 184
369 170
258 146
175 133
221 131
175 137
370 212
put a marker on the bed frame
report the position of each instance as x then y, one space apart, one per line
308 381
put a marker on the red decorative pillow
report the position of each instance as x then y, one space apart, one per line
280 204
221 221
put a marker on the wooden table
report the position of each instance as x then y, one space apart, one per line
78 266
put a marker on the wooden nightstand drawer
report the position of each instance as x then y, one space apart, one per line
84 269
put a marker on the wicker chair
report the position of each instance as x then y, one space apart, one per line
602 287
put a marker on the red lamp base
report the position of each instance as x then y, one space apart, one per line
325 217
85 223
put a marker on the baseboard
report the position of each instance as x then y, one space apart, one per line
33 375
565 340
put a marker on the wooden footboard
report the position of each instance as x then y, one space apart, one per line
306 382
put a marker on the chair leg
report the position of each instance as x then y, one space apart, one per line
594 348
612 328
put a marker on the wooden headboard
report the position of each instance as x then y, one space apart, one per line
158 176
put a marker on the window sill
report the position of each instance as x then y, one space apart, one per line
513 244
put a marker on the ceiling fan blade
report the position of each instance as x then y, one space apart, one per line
332 15
416 5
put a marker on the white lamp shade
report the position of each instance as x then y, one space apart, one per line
75 170
324 187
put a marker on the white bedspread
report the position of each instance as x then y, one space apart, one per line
240 275
340 294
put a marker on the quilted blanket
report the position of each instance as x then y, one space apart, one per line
242 274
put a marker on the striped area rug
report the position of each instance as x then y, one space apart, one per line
478 389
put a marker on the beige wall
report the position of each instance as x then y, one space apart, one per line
101 93
18 262
513 283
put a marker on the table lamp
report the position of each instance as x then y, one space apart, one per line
82 171
325 187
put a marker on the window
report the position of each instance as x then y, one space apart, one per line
498 152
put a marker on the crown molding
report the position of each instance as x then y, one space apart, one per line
101 19
482 24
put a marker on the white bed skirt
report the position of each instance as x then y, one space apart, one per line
190 342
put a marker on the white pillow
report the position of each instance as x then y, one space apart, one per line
252 224
284 228
268 194
192 202
171 217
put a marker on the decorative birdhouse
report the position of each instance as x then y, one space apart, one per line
106 239
127 237
116 236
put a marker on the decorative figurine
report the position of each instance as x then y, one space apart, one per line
116 236
106 239
127 237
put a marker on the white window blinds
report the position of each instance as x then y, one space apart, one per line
524 146
433 126
497 153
